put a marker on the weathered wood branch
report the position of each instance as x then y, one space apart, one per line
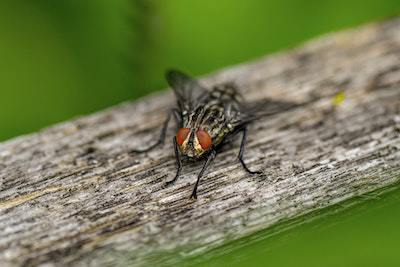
72 194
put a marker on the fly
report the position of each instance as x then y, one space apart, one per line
206 120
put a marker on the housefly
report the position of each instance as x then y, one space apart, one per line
206 120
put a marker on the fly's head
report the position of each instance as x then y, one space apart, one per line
192 142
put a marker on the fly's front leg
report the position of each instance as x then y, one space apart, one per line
178 162
210 158
162 134
241 151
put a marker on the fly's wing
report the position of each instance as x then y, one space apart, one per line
265 108
186 89
239 113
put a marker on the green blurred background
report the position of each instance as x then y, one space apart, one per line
60 59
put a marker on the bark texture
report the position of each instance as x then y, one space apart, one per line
72 194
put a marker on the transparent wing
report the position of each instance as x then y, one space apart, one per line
187 90
265 108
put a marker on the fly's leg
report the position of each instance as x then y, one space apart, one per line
178 163
162 134
241 151
210 158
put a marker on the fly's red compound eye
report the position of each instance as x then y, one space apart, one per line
181 135
204 139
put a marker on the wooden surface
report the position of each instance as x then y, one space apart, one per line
72 194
